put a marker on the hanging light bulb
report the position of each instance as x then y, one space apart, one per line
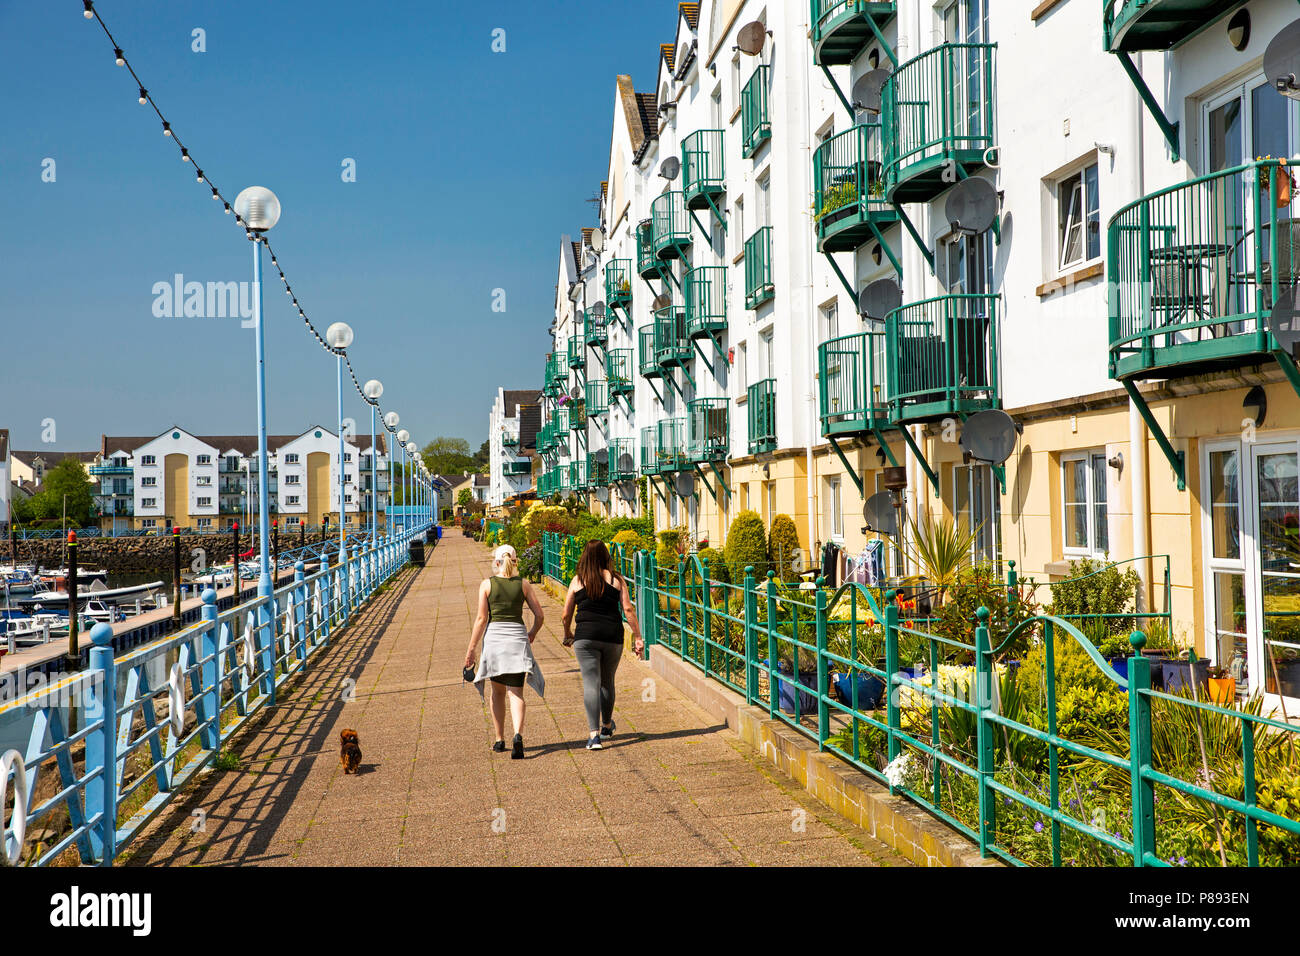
227 210
144 96
185 155
214 193
167 128
200 174
118 58
89 12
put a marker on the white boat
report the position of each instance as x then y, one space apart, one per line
108 595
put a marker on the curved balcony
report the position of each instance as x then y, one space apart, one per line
942 358
650 450
1131 25
708 437
1194 271
938 116
647 263
755 116
672 345
618 283
649 366
596 330
703 168
851 379
622 460
561 420
618 372
515 469
670 446
849 189
759 287
705 292
578 475
672 225
761 406
597 397
841 29
597 474
577 352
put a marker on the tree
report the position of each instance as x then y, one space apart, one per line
782 546
746 545
66 478
449 456
484 455
465 498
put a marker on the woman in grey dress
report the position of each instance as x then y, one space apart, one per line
507 660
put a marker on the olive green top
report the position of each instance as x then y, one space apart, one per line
506 599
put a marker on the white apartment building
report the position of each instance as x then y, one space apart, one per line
510 471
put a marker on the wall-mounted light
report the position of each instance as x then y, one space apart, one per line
1255 404
1116 461
1239 30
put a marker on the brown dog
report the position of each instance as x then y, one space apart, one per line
349 751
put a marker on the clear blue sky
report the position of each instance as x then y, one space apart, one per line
470 166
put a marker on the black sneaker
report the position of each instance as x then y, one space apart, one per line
499 747
608 732
517 748
593 742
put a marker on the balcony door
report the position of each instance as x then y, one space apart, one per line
967 21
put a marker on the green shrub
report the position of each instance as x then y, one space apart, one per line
1096 587
746 545
982 586
669 552
782 546
718 571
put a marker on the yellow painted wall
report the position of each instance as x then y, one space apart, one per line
176 489
319 503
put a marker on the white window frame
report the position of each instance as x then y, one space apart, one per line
149 481
291 479
204 502
834 509
1092 458
148 502
148 460
1062 208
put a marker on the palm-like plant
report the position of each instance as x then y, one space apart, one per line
943 548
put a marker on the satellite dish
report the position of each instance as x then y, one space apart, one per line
602 494
598 310
972 206
880 514
879 299
597 240
684 484
671 168
866 92
989 436
1284 320
626 463
661 302
751 38
1282 61
575 394
601 455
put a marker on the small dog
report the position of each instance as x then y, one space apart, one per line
349 751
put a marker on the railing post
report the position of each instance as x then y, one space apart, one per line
1013 585
750 615
300 611
1139 748
681 608
707 614
772 668
891 673
345 587
209 675
101 745
823 718
983 729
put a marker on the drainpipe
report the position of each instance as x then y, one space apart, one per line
805 178
1137 431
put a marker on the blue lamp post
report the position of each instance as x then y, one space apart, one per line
373 390
411 449
403 437
391 421
339 337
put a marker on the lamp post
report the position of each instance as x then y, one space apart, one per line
339 336
403 437
260 211
373 390
391 421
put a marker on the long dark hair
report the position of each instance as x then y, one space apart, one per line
593 564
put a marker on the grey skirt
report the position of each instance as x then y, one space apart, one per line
506 650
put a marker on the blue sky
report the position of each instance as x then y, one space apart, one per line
470 165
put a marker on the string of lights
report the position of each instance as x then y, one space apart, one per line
147 99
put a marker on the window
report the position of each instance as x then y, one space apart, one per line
204 522
830 315
348 457
232 463
348 499
148 502
977 503
203 459
834 510
295 521
291 459
1078 218
347 479
968 264
149 482
292 499
771 503
149 523
148 460
205 502
742 366
292 479
203 480
1083 485
763 202
738 211
767 358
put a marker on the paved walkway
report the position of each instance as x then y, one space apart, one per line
671 788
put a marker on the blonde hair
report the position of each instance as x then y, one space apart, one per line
505 561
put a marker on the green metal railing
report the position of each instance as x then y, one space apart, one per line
755 118
942 357
597 471
938 109
705 292
649 450
647 261
560 419
759 287
577 352
595 331
619 369
670 446
618 282
851 380
577 416
708 437
672 225
703 166
840 30
597 397
849 195
578 475
516 468
1194 269
622 460
649 366
557 369
761 406
672 345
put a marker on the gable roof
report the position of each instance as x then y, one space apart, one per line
530 423
245 445
45 455
690 12
516 397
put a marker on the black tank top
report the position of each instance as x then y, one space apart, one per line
599 619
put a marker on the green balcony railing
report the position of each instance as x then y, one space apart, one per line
849 203
759 287
650 450
516 468
841 29
618 282
703 168
622 460
597 397
1131 25
647 261
598 471
1194 271
761 406
577 416
708 437
942 357
670 446
650 367
561 420
705 292
596 330
577 352
619 369
851 379
938 114
557 369
672 344
755 117
578 475
672 225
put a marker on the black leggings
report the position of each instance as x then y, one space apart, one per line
598 661
510 680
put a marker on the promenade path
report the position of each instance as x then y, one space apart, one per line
672 788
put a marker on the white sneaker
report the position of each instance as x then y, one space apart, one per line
593 742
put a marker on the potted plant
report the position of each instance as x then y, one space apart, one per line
1178 673
1223 689
1286 186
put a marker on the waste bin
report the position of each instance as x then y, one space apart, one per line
417 552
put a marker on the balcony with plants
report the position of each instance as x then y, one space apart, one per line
760 404
849 201
619 370
942 358
708 438
851 379
670 446
622 460
1194 271
672 225
759 287
597 394
598 471
705 292
672 344
937 117
755 115
650 367
618 283
841 29
577 416
703 168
